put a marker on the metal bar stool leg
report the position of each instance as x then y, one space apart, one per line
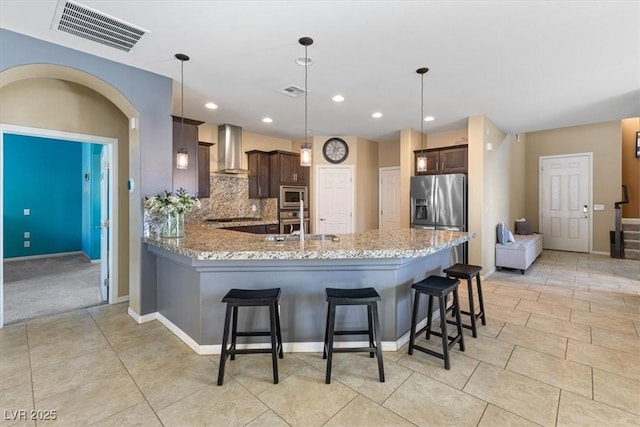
370 322
278 331
479 286
376 328
429 315
472 310
225 339
234 331
445 335
332 324
414 321
274 344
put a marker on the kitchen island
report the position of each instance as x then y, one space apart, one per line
196 271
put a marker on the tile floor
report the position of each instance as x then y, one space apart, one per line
561 347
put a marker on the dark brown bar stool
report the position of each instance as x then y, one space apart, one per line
251 298
440 287
466 271
362 296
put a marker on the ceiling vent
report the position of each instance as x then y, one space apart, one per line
292 91
96 26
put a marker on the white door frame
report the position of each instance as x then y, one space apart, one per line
110 144
380 198
316 195
590 190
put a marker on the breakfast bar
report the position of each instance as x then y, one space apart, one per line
194 273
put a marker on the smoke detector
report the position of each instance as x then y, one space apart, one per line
96 26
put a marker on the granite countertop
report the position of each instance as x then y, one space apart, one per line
204 242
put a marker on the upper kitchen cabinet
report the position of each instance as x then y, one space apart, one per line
444 160
286 170
185 136
204 169
259 175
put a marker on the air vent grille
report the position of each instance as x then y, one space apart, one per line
292 91
97 26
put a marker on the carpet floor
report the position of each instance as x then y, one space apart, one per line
46 286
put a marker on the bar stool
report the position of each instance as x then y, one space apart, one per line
362 296
251 298
466 271
440 287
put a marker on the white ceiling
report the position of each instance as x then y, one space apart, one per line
526 65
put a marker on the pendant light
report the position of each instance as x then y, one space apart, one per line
182 157
305 147
421 159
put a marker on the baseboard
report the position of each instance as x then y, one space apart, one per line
296 347
56 255
599 253
631 220
122 299
142 319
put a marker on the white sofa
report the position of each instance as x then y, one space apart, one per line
521 254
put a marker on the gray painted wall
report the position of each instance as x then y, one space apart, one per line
149 93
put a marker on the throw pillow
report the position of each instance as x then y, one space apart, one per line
523 226
502 233
511 238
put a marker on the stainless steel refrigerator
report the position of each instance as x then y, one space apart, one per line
440 202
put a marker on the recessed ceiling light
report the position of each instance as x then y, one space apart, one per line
267 120
338 98
429 119
302 61
211 105
376 115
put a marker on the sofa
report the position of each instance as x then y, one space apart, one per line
519 254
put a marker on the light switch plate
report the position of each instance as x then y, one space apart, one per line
27 211
27 244
27 235
598 207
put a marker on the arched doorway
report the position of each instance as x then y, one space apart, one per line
131 214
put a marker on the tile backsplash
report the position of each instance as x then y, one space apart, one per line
229 198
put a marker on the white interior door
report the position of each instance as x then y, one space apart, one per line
389 196
565 202
105 223
334 200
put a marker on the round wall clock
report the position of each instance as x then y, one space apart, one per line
335 150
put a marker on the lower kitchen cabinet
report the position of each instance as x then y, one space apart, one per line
256 229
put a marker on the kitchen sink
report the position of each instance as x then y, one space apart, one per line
296 237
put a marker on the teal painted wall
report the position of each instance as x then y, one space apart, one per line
45 176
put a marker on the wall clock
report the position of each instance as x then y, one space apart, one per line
335 150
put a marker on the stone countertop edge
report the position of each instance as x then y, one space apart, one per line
202 242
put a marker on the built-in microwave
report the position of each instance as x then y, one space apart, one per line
290 197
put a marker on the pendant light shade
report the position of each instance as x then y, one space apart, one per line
305 147
182 157
421 158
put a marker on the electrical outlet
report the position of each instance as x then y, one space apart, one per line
254 208
27 211
27 235
27 244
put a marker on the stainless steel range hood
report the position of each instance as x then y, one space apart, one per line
230 149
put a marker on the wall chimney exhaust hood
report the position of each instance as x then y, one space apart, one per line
230 149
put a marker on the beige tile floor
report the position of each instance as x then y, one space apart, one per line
561 347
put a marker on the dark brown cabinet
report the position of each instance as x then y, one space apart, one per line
259 184
444 160
285 169
185 136
256 229
204 169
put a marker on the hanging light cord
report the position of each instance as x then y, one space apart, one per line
182 101
306 92
422 113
